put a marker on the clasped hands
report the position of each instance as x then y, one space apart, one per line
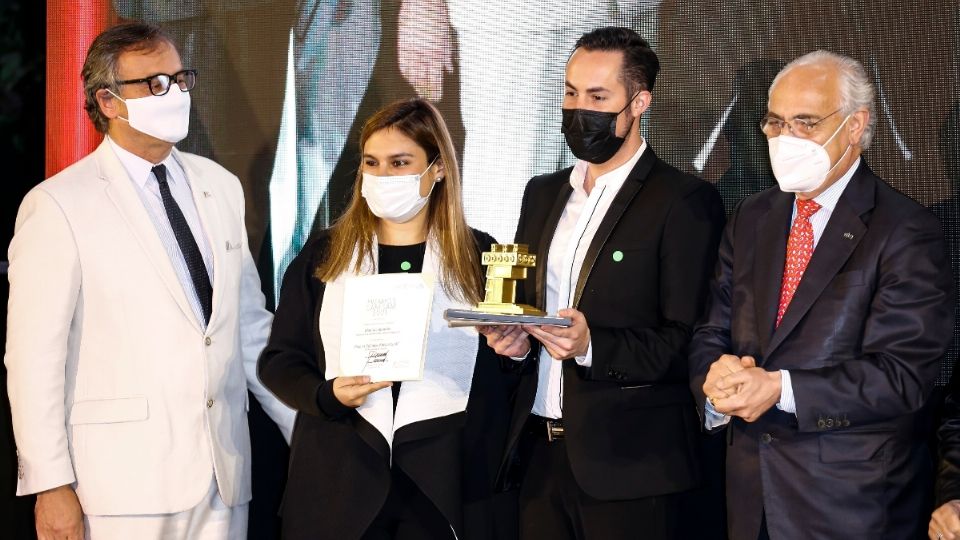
561 343
737 387
945 522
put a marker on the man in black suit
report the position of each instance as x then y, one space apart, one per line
603 436
831 307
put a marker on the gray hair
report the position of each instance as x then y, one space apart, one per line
856 89
100 69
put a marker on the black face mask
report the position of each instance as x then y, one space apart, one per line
592 135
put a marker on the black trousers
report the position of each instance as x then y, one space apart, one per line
553 507
407 514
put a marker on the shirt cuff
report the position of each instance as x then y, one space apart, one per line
787 402
587 359
713 419
521 358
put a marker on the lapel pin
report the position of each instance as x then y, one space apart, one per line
848 236
617 256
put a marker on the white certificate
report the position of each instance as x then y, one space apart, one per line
385 322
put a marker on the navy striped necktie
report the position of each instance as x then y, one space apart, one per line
188 244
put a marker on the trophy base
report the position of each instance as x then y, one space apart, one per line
469 317
509 309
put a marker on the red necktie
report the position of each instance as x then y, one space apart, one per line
799 251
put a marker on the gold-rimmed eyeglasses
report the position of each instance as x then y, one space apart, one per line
801 126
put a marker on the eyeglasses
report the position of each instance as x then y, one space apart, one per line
159 84
802 127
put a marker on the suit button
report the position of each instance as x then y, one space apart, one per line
846 423
207 341
209 403
821 424
766 438
829 422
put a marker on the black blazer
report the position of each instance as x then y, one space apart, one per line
339 474
629 419
862 339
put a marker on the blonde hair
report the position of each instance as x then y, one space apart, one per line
460 272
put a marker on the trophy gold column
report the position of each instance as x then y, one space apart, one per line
506 264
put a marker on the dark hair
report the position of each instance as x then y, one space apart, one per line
101 66
640 63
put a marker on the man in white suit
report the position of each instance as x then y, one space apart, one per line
135 319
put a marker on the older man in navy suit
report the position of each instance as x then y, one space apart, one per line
831 307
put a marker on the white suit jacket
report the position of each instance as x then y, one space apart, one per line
114 386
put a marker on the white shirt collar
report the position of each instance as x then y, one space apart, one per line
616 176
138 168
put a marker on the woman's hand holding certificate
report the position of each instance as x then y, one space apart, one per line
353 391
385 322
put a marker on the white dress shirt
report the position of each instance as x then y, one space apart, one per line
818 221
148 189
575 231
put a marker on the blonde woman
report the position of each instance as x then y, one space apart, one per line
384 460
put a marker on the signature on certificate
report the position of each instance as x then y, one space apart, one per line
375 359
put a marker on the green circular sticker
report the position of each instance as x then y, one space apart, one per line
405 265
617 256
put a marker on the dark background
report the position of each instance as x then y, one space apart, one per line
22 79
718 59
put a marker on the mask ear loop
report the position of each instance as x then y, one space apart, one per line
121 99
629 101
613 124
836 131
839 160
847 149
435 180
430 165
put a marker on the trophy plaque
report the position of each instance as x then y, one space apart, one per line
506 264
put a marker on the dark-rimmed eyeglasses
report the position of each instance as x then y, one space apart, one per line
159 84
801 127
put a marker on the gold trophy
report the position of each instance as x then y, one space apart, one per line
506 264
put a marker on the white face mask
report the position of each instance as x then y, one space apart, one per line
801 165
165 117
395 198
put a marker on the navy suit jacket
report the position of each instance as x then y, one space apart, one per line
862 339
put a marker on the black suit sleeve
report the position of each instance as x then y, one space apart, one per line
904 336
687 254
711 338
288 365
529 362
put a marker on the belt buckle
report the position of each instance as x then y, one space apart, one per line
554 430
